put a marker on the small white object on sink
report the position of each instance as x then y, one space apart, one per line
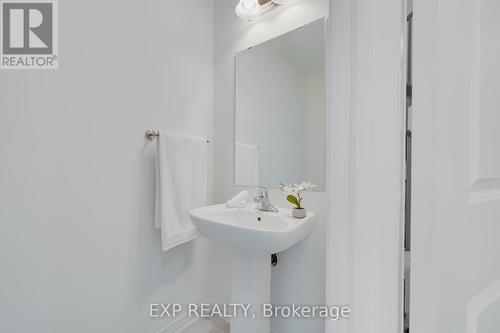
238 201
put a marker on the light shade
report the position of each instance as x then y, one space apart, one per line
248 9
251 9
282 2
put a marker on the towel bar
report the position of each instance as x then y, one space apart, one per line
152 134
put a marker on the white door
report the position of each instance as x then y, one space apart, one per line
455 281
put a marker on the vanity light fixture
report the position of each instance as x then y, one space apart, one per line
247 9
251 9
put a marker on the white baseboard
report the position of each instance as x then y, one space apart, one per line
183 322
214 300
179 324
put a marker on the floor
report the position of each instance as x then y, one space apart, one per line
209 326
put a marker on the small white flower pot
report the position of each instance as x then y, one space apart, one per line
299 213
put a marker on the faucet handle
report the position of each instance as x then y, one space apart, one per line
262 192
262 200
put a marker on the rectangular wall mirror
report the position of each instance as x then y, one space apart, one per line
280 107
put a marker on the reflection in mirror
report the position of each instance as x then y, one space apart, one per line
280 110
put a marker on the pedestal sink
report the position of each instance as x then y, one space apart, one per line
252 236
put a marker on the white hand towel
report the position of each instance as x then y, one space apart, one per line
246 164
181 185
238 200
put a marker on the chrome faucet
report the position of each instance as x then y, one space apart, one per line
262 200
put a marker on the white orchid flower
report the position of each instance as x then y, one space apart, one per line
294 191
297 188
286 188
308 186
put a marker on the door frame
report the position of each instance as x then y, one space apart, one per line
366 163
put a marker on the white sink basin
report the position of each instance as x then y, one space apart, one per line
251 231
252 236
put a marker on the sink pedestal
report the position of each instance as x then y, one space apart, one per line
251 284
252 236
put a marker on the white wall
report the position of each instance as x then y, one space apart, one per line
78 251
300 274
